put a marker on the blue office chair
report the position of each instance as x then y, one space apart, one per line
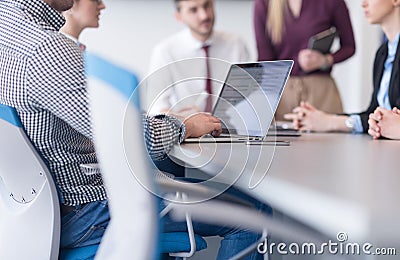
29 202
133 230
29 208
79 253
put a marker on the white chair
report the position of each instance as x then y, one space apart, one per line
29 206
29 202
129 178
125 167
132 231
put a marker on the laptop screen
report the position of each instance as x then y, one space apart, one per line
250 96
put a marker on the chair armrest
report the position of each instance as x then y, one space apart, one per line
197 192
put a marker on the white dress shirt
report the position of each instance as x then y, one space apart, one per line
181 84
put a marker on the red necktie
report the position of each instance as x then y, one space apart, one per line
208 82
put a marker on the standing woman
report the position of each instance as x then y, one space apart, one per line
283 29
83 14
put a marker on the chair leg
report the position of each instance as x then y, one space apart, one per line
192 240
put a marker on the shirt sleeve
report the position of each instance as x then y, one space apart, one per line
161 132
264 44
357 128
342 22
56 82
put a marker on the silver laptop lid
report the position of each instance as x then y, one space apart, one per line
250 96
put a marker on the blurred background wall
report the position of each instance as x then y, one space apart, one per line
130 29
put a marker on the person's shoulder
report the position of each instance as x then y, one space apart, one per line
332 4
171 41
57 48
263 3
59 42
231 46
30 34
24 35
167 50
382 50
228 37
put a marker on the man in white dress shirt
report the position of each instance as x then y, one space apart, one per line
181 87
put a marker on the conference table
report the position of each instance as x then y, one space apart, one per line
331 182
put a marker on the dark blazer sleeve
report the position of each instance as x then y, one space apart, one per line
379 62
394 85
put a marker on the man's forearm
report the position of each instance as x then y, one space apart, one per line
161 132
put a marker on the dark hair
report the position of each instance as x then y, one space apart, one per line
177 4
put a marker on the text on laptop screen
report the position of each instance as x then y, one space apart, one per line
250 96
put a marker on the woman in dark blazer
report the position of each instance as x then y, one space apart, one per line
394 85
386 94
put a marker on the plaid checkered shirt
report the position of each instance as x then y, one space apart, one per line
42 76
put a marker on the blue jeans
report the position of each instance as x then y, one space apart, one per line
85 225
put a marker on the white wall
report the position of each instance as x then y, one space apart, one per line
130 29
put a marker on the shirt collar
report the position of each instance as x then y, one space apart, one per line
210 40
71 37
40 11
392 46
196 43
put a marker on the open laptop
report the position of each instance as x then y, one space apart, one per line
248 100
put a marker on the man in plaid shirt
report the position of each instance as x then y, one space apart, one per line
42 76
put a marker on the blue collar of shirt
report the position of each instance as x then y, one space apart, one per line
40 10
392 46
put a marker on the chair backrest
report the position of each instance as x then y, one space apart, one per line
29 206
119 141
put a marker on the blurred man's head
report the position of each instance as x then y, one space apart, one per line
60 5
198 15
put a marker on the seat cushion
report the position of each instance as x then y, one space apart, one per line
173 242
179 242
79 253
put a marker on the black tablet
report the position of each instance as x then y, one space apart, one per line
322 41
